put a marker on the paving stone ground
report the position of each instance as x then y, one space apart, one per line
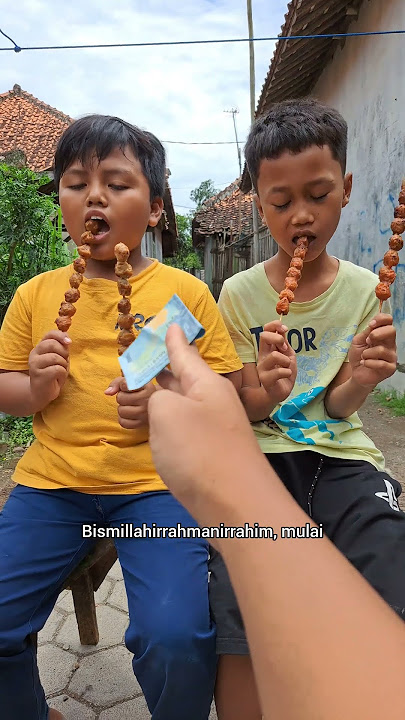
86 682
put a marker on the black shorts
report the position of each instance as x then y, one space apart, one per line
358 508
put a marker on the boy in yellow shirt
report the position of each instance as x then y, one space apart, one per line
304 380
88 464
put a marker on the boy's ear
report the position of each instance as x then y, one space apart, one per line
156 209
259 207
347 188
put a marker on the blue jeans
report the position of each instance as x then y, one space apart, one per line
170 633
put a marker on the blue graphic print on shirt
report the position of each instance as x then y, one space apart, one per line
290 417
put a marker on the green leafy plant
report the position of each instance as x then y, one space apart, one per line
16 431
202 193
186 258
392 400
30 230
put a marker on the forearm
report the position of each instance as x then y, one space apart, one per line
15 394
288 596
345 399
256 402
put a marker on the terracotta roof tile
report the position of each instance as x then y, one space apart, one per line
29 125
221 213
296 65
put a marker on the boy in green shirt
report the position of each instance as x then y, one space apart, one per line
303 384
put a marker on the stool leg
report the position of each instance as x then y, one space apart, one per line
34 640
85 608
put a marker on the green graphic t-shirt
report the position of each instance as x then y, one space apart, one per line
320 332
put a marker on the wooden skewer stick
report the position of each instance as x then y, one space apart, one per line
387 273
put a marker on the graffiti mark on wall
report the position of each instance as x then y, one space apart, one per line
391 199
362 247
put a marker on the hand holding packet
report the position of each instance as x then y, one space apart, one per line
147 356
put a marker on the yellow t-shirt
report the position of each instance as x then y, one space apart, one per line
79 442
320 332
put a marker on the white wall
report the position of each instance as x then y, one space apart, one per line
366 83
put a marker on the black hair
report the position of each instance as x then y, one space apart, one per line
293 126
100 135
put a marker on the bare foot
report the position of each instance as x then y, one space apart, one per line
55 715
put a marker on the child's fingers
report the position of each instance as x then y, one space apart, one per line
268 340
275 326
127 412
270 377
52 345
133 424
114 386
58 335
49 360
119 385
380 320
275 359
379 366
379 353
361 339
385 334
135 398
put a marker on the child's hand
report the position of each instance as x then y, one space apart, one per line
277 364
48 366
132 405
372 354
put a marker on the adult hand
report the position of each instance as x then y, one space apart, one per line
198 428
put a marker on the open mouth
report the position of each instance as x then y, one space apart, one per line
102 226
310 237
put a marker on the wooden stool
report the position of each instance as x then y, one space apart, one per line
83 582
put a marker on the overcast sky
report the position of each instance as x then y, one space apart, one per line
179 93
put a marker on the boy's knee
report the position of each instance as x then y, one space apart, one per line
170 642
12 644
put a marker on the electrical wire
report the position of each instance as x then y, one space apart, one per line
192 187
283 38
221 142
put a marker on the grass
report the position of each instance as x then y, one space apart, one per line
391 400
14 432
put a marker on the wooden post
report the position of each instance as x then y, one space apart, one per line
85 608
255 215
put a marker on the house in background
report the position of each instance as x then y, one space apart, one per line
29 133
223 228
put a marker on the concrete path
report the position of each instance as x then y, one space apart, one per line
86 682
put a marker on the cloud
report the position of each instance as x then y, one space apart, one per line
179 93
